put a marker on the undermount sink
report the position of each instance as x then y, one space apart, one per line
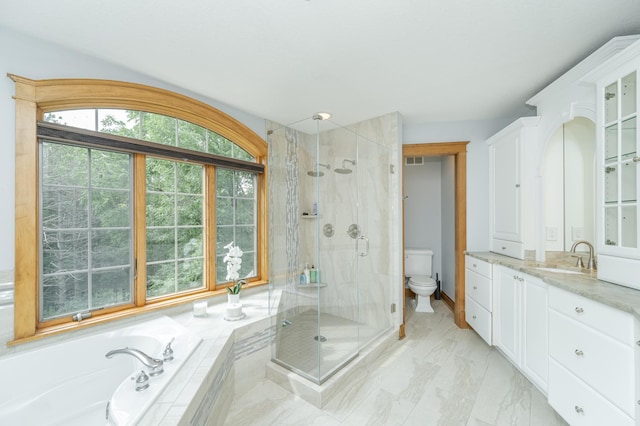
559 271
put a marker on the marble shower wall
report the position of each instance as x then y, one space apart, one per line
358 288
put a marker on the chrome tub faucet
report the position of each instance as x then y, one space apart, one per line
155 365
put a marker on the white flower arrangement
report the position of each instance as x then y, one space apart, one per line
233 259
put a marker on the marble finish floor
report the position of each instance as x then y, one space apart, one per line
438 375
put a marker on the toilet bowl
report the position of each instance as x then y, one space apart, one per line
423 287
417 269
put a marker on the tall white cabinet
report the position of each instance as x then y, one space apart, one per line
618 157
510 181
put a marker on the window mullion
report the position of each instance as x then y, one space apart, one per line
210 228
140 228
89 232
175 228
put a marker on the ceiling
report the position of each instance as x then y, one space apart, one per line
284 60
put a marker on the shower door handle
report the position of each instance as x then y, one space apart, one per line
366 240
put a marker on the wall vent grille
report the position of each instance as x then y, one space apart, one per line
413 161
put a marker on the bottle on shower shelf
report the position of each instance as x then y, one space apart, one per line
313 275
307 278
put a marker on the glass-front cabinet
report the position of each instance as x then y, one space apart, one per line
618 162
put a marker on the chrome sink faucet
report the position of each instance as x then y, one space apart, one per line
591 263
155 365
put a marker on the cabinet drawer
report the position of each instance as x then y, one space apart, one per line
508 248
603 318
479 266
478 287
578 404
479 319
600 361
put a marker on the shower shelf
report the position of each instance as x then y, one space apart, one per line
312 285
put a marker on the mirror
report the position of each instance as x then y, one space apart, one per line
569 185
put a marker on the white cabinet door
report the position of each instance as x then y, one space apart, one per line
507 178
535 353
520 322
510 179
506 312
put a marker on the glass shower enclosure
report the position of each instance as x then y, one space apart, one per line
328 216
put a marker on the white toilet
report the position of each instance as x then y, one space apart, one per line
417 268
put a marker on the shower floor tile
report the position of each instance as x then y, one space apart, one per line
317 351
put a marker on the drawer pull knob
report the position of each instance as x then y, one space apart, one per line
579 352
504 248
578 409
475 287
579 310
475 266
474 317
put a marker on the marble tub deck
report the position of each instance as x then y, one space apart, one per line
438 375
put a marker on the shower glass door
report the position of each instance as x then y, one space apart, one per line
325 216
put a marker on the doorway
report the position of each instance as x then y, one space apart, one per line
459 152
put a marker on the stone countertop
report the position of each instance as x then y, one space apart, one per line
586 284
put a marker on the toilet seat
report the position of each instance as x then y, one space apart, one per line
422 281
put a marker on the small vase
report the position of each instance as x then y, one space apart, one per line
233 298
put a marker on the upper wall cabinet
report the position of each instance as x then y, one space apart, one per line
510 186
618 160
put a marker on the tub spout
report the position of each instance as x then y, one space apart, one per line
154 365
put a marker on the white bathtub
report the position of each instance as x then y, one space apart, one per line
72 383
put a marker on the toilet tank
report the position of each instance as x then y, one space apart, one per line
418 262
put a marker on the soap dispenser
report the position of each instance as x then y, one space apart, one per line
307 277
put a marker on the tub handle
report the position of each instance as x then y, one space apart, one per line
167 355
142 381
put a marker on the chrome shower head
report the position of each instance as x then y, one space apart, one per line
344 170
317 173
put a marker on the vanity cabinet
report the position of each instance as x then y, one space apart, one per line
618 158
592 373
510 180
520 322
478 296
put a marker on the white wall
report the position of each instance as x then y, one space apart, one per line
423 208
34 59
477 166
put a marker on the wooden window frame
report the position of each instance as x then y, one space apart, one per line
33 99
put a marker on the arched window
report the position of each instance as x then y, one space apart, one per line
126 197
